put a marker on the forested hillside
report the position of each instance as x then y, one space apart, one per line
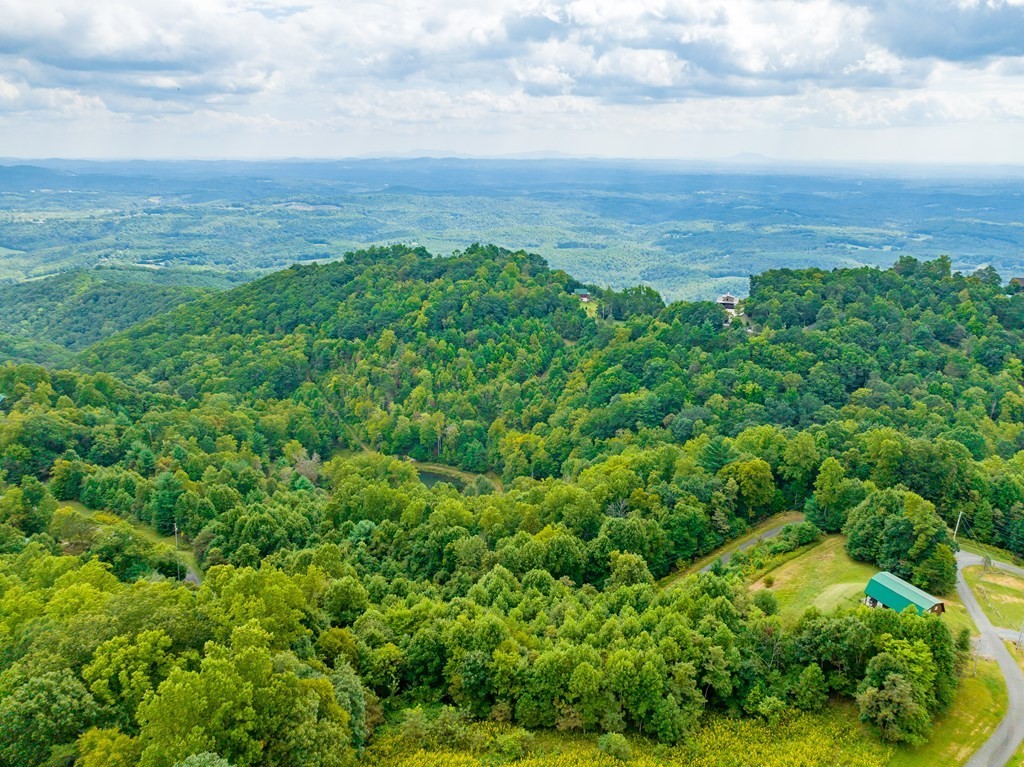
269 425
47 319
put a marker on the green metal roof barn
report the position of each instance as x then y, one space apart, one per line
895 593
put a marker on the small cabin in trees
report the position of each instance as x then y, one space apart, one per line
888 590
728 302
582 294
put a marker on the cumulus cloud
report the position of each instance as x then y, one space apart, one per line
952 30
322 65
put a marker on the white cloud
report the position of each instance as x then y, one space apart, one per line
659 69
8 91
284 77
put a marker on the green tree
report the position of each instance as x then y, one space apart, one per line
107 748
895 711
345 600
166 490
755 481
124 671
205 759
41 715
811 690
628 570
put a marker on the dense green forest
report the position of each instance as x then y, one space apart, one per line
45 320
270 425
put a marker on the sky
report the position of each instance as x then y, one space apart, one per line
854 81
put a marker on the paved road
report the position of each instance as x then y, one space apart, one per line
1004 742
771 532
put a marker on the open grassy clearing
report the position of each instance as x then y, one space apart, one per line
825 577
1000 594
980 706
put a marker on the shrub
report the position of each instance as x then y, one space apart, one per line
772 709
414 727
515 745
615 745
766 601
449 729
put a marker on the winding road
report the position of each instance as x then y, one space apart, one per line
999 748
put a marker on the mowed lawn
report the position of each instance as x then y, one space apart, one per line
1000 594
825 577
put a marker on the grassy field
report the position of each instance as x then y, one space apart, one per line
979 707
825 577
1000 594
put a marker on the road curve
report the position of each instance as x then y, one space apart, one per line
999 748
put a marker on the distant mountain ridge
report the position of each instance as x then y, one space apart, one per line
689 230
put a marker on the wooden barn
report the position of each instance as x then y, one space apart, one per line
888 590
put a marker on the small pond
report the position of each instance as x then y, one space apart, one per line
431 478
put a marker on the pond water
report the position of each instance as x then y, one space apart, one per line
431 478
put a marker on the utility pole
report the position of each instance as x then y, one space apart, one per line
177 561
958 518
1020 637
